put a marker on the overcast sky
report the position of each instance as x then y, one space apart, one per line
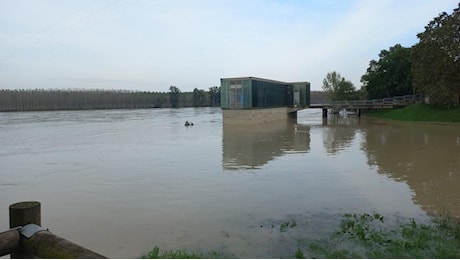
150 45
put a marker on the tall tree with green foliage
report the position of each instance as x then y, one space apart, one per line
337 88
214 96
389 76
436 60
174 95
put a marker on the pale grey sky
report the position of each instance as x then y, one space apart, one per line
150 45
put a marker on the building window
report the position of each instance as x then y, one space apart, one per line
296 97
236 94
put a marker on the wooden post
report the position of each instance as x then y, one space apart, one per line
23 213
324 112
358 112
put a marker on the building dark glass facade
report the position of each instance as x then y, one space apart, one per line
252 93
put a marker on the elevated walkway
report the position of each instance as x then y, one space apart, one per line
399 101
357 105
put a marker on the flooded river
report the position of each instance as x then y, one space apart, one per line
122 181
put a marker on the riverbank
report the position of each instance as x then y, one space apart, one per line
418 112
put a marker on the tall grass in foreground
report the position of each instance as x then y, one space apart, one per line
363 236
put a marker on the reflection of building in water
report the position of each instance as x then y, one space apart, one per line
249 147
426 157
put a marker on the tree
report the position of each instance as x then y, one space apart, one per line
174 95
389 76
199 98
214 96
337 88
436 60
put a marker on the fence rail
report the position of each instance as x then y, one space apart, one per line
27 239
372 103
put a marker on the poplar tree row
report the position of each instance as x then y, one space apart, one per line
55 99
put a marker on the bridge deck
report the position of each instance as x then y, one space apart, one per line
399 101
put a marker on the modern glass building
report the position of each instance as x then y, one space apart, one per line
255 93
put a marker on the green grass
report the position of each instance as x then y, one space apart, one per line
156 253
418 112
361 236
288 224
365 236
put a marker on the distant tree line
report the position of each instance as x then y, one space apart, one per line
71 99
41 99
431 67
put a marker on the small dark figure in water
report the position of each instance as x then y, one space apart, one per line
187 123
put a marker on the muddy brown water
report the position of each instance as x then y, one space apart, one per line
122 181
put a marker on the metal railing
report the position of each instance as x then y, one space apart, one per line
382 102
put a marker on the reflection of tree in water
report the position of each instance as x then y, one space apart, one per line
427 157
252 146
339 133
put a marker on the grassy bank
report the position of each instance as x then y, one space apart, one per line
360 236
418 112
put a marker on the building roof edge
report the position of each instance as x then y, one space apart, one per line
260 79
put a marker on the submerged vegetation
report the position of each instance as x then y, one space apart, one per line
365 236
361 236
419 112
183 254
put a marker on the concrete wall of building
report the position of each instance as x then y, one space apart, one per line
255 116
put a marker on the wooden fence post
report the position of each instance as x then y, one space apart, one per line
23 213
